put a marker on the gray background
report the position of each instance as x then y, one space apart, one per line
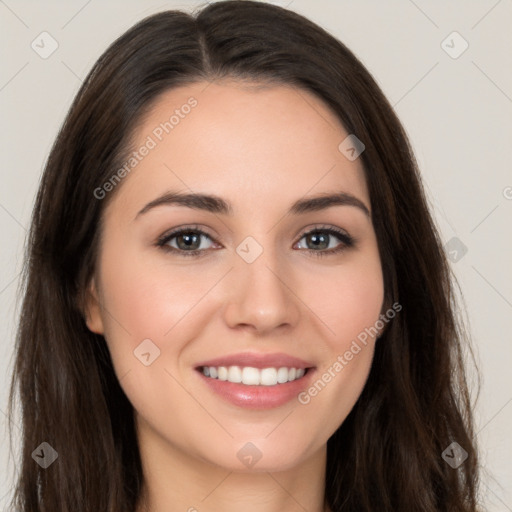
457 112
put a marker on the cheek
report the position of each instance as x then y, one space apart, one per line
349 303
150 314
348 300
145 299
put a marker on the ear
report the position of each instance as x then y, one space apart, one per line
92 309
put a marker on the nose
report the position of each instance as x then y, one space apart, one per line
261 297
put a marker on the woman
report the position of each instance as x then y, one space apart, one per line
236 297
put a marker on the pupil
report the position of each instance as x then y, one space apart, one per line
188 238
316 236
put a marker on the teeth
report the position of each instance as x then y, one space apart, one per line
234 374
254 376
222 372
251 376
268 377
282 375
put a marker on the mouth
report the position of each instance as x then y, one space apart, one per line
251 376
256 380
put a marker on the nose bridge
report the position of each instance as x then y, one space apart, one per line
259 293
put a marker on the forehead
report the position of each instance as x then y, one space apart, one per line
248 143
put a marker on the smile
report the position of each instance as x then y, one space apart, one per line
250 376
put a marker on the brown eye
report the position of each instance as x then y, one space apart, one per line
184 241
319 241
188 240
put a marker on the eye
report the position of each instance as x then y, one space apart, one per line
187 241
319 239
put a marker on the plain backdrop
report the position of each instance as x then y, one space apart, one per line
455 103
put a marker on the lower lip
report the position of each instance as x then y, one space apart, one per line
258 397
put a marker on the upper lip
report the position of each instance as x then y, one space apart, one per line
258 360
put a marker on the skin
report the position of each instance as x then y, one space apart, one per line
261 150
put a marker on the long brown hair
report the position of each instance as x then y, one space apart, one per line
387 454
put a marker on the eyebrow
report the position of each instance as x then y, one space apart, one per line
217 205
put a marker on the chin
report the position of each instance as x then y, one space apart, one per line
258 456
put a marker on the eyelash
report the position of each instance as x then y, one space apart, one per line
347 241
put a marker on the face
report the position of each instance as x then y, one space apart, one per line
250 274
